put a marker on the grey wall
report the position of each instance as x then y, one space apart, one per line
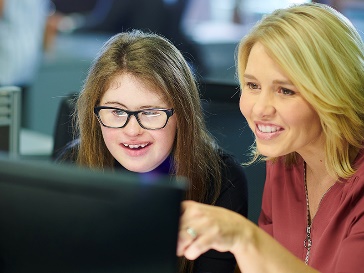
62 72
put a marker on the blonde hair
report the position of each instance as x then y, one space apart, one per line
322 54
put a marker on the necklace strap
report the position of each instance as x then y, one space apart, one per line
307 243
306 192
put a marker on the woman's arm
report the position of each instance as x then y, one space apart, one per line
223 230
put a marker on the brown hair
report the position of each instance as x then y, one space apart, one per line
153 59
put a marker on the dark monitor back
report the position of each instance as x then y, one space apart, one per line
57 218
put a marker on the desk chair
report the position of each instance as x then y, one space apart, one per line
220 102
10 110
63 131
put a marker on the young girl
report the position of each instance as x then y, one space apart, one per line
140 110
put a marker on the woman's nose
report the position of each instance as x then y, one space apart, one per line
264 105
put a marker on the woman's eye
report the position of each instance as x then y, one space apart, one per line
252 85
286 91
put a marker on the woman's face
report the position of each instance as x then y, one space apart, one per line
281 119
137 149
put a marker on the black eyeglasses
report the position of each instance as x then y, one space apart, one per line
150 119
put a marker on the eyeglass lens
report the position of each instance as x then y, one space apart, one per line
149 118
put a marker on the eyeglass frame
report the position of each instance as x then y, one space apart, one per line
169 113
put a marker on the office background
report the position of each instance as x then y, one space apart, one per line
207 31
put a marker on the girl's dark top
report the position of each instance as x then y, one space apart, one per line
233 196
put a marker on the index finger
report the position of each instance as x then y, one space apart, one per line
185 204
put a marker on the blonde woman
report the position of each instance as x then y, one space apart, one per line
301 71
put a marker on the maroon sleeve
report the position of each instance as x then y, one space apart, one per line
351 254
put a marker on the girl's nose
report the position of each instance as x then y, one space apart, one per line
133 128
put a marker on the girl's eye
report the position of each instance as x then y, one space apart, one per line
119 113
252 85
151 113
286 91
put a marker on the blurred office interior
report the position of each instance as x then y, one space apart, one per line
206 31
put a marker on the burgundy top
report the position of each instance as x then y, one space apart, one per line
337 229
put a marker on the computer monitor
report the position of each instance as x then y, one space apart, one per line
61 218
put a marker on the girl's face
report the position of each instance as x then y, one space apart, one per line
137 149
281 119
